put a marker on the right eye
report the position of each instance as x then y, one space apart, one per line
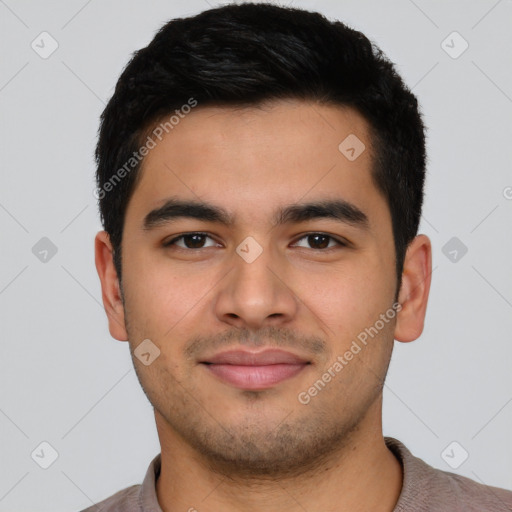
192 241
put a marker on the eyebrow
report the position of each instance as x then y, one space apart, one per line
335 209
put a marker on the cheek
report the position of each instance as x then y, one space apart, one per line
348 300
157 286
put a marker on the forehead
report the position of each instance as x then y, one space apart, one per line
298 128
252 157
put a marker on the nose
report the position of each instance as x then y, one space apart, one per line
256 293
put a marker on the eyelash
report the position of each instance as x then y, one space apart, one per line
184 235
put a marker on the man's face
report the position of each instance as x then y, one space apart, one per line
306 295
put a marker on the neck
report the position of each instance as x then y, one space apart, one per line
361 475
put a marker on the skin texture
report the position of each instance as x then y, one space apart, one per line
230 449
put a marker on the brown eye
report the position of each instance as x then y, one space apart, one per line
190 241
321 241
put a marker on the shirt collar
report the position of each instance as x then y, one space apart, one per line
147 499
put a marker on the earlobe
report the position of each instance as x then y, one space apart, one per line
413 296
110 289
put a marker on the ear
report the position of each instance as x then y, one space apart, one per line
110 289
413 295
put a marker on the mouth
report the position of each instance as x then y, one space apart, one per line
255 370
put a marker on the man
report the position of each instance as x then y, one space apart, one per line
260 178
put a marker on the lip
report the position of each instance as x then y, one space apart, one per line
255 370
262 358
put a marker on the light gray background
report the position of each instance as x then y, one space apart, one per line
63 379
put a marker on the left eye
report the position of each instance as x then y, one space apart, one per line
321 240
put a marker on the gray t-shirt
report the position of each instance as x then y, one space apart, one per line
424 489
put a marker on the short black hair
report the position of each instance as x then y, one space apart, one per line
246 54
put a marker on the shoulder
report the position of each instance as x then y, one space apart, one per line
126 500
468 494
426 488
136 498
